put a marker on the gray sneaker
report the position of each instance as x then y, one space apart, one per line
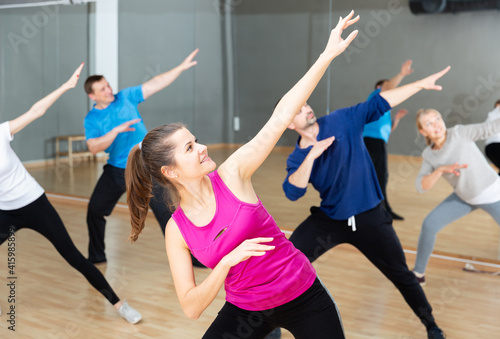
129 314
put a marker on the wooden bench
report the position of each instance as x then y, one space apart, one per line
70 153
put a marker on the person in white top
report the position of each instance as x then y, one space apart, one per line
23 203
453 154
492 148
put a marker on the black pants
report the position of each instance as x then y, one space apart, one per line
493 153
376 239
313 314
109 189
41 217
377 148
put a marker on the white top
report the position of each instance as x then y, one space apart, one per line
493 115
490 195
17 187
476 184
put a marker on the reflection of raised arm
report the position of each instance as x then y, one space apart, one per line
394 82
99 144
399 115
41 106
248 158
193 298
397 95
161 81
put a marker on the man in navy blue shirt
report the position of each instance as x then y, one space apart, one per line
331 155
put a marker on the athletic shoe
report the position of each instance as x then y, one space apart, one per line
435 333
421 279
275 334
129 314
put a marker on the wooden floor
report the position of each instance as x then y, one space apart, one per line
55 301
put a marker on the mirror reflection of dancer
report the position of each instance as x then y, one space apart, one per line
23 203
222 221
331 155
115 125
376 134
453 154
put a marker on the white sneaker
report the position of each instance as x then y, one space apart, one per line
129 314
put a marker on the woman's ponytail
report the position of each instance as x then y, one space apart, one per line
139 187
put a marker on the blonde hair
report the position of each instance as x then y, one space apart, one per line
420 113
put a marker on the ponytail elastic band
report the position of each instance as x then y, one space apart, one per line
140 145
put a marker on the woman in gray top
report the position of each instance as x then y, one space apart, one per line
452 154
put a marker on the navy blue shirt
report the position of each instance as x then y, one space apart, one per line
344 174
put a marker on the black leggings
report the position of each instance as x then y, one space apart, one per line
377 148
107 192
41 217
376 239
313 314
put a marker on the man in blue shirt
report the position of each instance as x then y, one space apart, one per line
331 155
376 134
114 125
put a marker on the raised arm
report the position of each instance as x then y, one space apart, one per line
397 95
396 80
41 106
163 80
245 161
397 118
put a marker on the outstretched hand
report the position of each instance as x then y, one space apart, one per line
430 82
188 62
247 249
320 146
125 127
73 80
454 168
336 45
406 68
401 114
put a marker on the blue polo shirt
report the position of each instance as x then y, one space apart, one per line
98 122
344 174
381 128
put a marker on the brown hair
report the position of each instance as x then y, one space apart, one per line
90 82
421 112
497 103
143 166
380 83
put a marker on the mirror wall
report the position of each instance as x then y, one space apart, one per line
251 52
291 34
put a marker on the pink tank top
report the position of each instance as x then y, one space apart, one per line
258 283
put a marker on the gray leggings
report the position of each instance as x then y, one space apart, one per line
452 208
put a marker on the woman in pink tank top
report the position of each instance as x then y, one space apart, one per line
221 221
